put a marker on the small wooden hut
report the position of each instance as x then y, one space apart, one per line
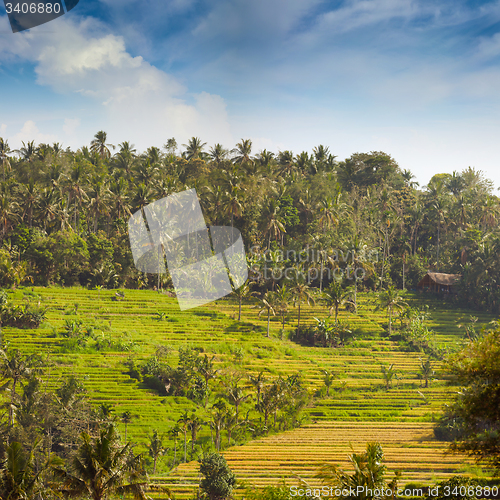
440 282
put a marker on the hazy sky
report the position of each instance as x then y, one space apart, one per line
419 80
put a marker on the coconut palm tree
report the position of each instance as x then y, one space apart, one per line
47 206
219 414
268 303
142 196
334 297
234 203
99 145
258 381
30 195
218 154
234 392
76 182
272 225
283 297
328 378
301 293
184 426
101 467
14 368
174 434
195 424
194 148
5 151
119 198
8 210
99 198
388 373
369 473
391 299
241 293
426 371
28 151
20 479
155 447
146 172
126 418
242 151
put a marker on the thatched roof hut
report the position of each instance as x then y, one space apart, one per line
440 282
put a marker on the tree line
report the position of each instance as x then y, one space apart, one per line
63 214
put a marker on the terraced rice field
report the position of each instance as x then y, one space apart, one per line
408 447
359 407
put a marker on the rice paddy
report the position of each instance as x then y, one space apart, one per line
358 409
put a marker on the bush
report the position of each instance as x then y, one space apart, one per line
25 316
323 334
218 480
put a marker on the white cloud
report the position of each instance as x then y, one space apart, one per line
131 97
30 132
3 128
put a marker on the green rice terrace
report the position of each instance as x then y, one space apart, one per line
359 405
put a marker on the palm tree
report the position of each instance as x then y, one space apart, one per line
304 162
328 380
218 154
146 172
119 198
4 155
102 467
241 293
213 202
126 418
124 161
426 371
234 203
208 371
174 434
155 447
243 150
286 164
14 368
99 198
335 297
283 297
235 393
194 148
8 211
28 151
388 373
30 195
268 304
142 196
391 299
273 225
258 381
127 148
20 479
76 181
99 146
329 213
266 159
219 414
301 293
359 261
195 424
184 425
369 471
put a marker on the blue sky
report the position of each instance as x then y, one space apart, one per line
419 80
